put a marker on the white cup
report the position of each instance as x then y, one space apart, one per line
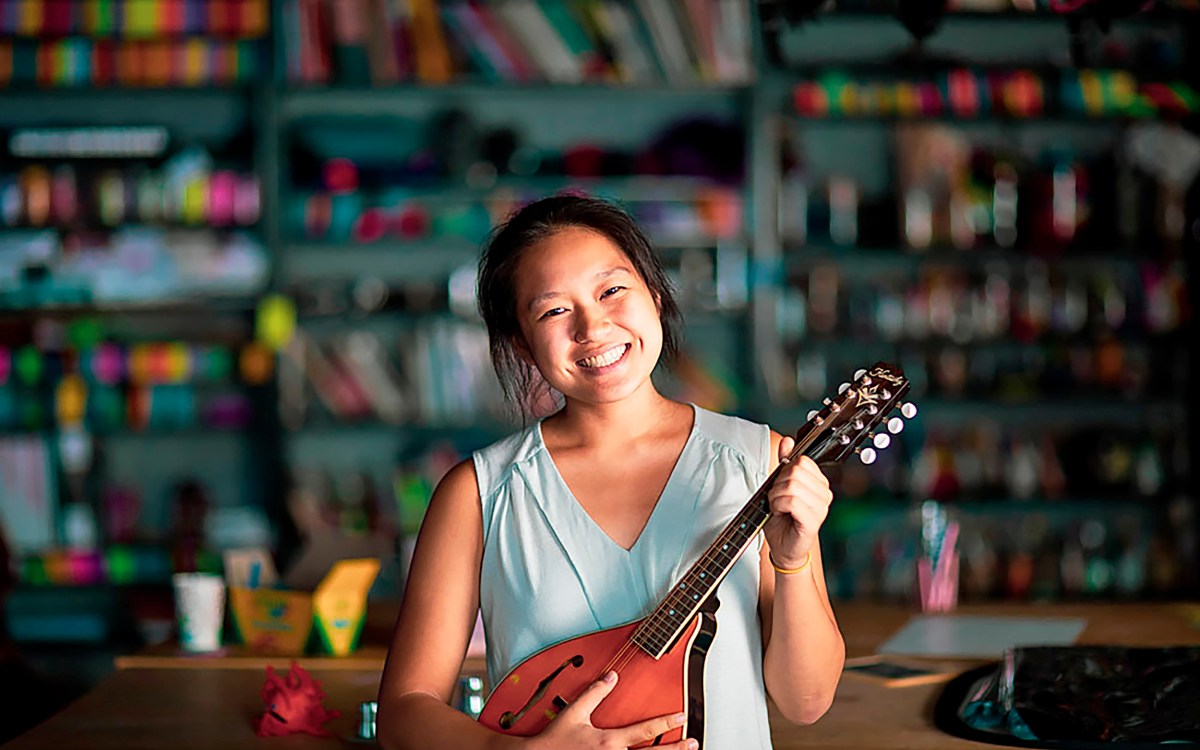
199 610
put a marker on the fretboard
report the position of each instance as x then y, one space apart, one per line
663 626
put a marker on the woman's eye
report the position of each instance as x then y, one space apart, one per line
552 312
611 290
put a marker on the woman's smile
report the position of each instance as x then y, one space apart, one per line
605 359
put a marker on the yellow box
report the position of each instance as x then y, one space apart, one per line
281 621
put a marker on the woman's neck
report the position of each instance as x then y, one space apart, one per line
616 423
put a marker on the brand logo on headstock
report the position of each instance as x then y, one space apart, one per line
887 375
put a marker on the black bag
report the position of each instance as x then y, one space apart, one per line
1078 697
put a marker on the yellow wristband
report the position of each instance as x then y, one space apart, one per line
791 571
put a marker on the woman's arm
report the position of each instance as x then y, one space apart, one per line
803 648
441 599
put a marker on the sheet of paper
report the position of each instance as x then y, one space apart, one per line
977 636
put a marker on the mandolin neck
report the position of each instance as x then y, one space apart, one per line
662 627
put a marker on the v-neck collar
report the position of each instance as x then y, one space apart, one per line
664 496
619 583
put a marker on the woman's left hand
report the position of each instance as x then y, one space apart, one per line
799 502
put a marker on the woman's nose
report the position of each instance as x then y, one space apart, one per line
589 322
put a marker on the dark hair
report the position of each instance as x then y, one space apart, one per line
522 384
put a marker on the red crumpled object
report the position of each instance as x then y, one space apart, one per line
293 705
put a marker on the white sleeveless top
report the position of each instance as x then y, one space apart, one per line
550 573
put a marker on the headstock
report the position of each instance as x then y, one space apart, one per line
849 419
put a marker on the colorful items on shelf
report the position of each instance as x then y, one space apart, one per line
110 409
132 265
522 41
436 373
137 364
86 63
133 43
64 195
966 93
119 564
135 19
106 387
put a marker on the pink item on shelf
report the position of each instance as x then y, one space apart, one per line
340 176
108 364
222 191
370 226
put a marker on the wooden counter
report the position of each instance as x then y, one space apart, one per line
213 706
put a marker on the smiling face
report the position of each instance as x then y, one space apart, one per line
589 322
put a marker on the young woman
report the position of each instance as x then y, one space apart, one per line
585 519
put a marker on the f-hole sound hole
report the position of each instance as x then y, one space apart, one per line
508 719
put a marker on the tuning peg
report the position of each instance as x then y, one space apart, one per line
895 425
843 388
881 440
866 455
859 373
812 414
908 409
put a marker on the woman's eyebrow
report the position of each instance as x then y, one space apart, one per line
602 275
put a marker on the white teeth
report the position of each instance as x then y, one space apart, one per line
605 358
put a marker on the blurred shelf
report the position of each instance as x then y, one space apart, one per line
870 260
1042 412
105 231
323 262
633 188
882 11
186 305
849 516
988 119
1001 345
150 433
348 101
91 91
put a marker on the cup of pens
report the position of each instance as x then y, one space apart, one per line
937 565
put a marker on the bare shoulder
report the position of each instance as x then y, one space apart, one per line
458 490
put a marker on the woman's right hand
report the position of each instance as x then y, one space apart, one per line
573 728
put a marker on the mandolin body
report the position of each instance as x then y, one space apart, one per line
534 692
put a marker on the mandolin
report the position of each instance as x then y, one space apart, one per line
660 658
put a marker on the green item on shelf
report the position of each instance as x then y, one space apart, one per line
412 499
102 18
33 571
85 333
121 562
214 364
28 365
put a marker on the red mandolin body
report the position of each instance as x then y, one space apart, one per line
534 693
